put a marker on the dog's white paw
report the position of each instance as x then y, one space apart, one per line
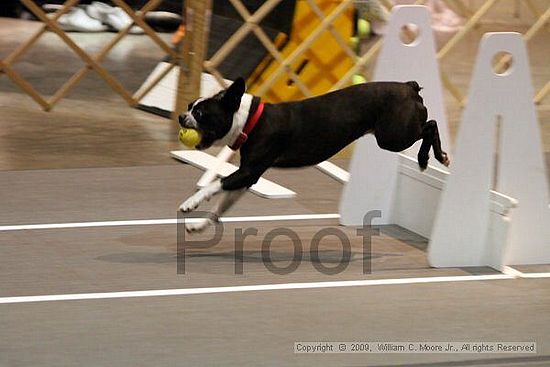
198 227
202 195
190 204
446 160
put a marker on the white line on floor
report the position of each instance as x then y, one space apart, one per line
144 222
535 275
260 287
508 273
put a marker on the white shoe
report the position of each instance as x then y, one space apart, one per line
114 17
78 21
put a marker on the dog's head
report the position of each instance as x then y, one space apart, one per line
213 117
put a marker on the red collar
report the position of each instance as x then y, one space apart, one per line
248 127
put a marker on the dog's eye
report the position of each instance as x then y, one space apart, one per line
198 114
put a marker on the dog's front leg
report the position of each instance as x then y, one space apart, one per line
203 194
226 201
238 182
243 178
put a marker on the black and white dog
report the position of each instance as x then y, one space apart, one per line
304 133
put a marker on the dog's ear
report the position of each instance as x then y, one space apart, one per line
232 97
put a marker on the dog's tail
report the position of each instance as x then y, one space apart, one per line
414 85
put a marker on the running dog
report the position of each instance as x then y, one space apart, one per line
304 133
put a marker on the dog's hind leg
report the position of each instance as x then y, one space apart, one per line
423 156
439 154
430 139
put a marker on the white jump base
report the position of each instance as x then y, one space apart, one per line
221 168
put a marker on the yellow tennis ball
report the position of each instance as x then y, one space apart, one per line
363 28
190 137
354 42
358 79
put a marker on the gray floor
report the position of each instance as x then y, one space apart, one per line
260 328
95 159
246 328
